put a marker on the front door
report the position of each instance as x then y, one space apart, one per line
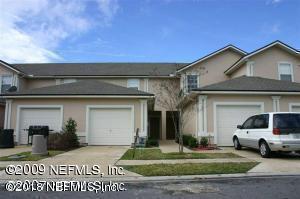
154 124
171 121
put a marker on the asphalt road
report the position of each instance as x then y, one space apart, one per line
254 187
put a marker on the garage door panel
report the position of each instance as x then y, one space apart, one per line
296 109
228 117
110 126
38 116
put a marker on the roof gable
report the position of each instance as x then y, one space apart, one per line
228 47
278 43
10 67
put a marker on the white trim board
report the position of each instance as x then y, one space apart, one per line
215 104
144 118
19 107
87 116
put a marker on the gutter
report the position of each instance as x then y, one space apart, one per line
76 96
249 92
101 76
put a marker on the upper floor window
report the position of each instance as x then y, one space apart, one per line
6 82
192 82
285 71
133 83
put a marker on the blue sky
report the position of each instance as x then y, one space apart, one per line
140 30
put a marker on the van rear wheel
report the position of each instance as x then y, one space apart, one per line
264 149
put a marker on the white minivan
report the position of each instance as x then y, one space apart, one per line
277 131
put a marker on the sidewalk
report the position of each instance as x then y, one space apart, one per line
170 146
181 161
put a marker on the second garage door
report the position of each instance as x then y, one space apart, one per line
228 117
110 126
296 108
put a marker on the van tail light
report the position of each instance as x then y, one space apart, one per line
276 131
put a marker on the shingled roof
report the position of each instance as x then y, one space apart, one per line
84 87
99 69
257 84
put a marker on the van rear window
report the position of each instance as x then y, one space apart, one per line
287 121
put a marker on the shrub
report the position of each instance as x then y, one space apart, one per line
204 141
193 142
152 142
68 139
55 142
186 138
69 136
190 141
70 126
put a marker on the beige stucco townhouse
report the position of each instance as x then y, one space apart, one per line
110 100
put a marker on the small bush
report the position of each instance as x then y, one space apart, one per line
152 142
186 138
204 141
70 140
193 143
55 142
70 126
190 141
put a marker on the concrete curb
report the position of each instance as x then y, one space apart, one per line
141 179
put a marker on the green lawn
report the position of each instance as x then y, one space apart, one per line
156 154
30 157
191 169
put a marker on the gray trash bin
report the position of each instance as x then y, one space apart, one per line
39 145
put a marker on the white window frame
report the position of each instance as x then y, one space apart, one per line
130 83
292 70
186 80
250 68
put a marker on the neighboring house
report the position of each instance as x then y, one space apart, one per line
110 100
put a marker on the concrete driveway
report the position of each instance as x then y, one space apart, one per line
278 163
15 150
90 155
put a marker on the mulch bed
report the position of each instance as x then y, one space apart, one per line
207 148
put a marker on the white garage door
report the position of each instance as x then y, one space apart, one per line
228 117
38 116
110 126
296 108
